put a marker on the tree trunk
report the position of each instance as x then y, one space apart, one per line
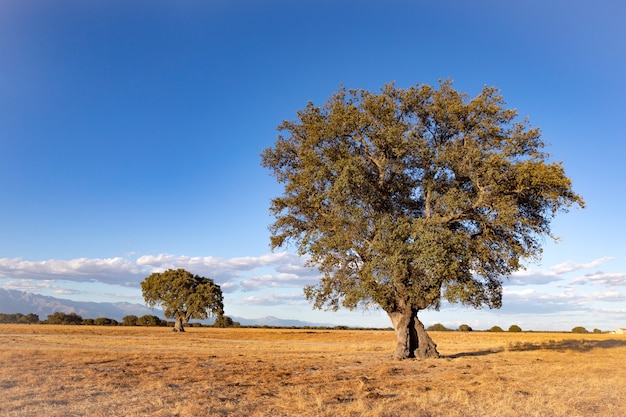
426 348
412 337
178 325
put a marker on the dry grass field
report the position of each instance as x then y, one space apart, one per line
50 370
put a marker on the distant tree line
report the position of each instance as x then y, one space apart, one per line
19 318
438 327
220 322
514 328
581 329
75 319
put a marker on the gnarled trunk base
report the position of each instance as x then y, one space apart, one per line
178 325
413 340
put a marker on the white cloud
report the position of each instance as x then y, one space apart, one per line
274 299
532 301
532 277
299 269
249 263
112 270
230 273
228 287
566 267
552 274
163 262
535 302
607 296
275 280
599 278
34 286
122 271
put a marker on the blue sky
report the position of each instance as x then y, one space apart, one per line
130 135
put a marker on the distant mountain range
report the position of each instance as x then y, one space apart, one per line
12 302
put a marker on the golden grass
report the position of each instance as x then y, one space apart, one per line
134 371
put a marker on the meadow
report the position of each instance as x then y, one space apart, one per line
48 370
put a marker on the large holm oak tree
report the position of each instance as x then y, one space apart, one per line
183 296
408 197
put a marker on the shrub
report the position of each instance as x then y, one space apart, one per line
438 327
129 320
105 321
597 331
579 329
225 321
495 329
149 320
515 328
30 318
464 328
62 318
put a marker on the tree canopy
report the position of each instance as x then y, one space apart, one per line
183 296
59 317
579 329
408 197
30 318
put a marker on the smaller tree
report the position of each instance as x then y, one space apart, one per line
225 321
465 328
495 329
579 329
130 320
437 327
515 328
148 320
30 318
8 318
597 331
183 296
105 321
62 318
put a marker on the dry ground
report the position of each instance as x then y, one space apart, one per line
133 371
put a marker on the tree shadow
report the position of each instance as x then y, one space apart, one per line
476 353
579 345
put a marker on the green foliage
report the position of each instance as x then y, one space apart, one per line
130 320
183 295
464 328
579 329
62 318
597 331
88 322
438 327
223 321
411 196
105 321
515 328
20 318
148 320
496 329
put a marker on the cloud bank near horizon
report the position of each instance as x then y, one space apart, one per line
272 284
286 269
249 273
277 278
